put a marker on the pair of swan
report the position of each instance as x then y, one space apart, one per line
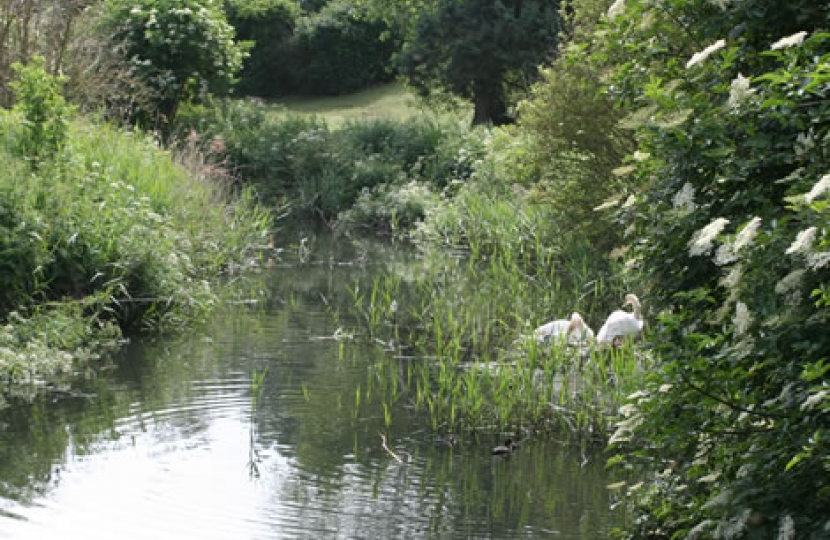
575 332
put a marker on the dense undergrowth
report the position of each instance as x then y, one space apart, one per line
374 174
103 234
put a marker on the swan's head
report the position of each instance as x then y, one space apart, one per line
576 322
631 300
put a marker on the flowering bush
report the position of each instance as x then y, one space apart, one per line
184 49
731 224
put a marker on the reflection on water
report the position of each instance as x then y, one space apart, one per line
161 446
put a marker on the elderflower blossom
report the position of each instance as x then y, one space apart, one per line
814 399
747 234
742 319
739 91
790 41
804 143
699 57
735 526
701 242
731 280
790 282
786 528
821 187
802 241
685 198
616 9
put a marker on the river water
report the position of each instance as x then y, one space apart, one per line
168 442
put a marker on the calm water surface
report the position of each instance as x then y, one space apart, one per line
167 444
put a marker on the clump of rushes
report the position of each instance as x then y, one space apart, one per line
466 323
107 234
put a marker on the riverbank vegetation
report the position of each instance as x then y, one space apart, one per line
103 233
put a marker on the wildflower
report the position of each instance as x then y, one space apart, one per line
685 198
822 186
802 241
739 91
742 319
786 528
699 57
616 9
790 41
701 242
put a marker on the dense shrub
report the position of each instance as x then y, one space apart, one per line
731 225
325 170
184 50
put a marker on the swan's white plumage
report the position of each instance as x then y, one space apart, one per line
574 331
622 323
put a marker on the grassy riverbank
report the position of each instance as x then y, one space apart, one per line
103 234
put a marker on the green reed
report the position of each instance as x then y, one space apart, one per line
469 321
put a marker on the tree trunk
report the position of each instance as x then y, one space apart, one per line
490 108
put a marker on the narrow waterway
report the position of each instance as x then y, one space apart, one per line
169 442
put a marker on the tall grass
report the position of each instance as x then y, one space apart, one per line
113 234
462 330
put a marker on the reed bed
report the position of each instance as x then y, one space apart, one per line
461 350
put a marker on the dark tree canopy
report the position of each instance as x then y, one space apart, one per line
479 49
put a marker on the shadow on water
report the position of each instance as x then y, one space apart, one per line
261 427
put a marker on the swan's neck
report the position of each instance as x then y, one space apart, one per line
638 313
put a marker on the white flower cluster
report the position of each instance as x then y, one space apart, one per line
790 41
616 9
786 528
728 252
803 241
702 240
739 91
685 198
699 57
742 319
821 187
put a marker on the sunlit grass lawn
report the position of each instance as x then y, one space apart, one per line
389 101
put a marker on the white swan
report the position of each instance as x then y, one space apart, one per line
573 331
622 323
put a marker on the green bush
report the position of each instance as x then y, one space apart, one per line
340 50
323 170
731 227
183 49
44 113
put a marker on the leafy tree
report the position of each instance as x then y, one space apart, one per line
573 135
480 50
184 49
340 50
729 101
269 25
